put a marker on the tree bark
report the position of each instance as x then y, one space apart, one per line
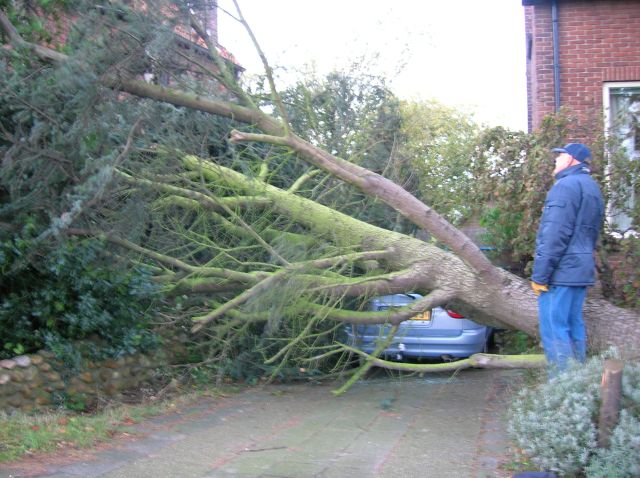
474 361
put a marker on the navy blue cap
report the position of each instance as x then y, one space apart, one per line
578 150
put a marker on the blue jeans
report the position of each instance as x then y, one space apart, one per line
562 330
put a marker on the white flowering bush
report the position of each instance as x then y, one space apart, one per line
555 424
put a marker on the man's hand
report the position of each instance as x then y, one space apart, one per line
539 288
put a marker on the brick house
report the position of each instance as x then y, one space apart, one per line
584 56
184 37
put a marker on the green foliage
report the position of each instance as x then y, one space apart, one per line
620 264
28 16
516 342
425 147
353 115
63 135
51 298
513 174
356 117
628 273
437 143
555 424
78 402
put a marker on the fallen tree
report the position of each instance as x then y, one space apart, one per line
311 258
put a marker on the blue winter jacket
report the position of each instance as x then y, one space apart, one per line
569 228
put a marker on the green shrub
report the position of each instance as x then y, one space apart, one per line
555 424
624 278
70 293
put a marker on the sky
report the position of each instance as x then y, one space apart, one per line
468 54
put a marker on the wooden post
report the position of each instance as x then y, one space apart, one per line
611 393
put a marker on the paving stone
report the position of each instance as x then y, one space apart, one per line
433 426
8 364
22 361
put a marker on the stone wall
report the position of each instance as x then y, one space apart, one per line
29 382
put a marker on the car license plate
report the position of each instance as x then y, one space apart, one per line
425 316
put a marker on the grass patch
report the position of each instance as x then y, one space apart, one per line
24 434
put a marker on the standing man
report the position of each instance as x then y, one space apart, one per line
564 264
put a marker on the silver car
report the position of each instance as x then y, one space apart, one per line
438 333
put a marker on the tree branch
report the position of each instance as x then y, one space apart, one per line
397 281
199 285
269 234
379 187
380 347
257 237
16 40
474 361
216 107
236 301
334 261
241 136
202 199
292 343
268 71
295 187
216 204
168 260
269 282
392 316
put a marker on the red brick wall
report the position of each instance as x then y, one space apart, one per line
599 41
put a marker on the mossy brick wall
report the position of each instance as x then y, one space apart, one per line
30 382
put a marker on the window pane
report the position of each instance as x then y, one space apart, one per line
625 127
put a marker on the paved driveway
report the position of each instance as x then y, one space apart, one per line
437 426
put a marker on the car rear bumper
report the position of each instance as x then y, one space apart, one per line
467 343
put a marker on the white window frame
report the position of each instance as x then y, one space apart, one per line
606 103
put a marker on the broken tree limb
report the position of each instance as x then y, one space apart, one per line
474 361
369 362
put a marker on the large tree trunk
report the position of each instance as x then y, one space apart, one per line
425 267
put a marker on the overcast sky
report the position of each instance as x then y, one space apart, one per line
464 53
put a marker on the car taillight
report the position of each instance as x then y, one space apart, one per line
454 315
